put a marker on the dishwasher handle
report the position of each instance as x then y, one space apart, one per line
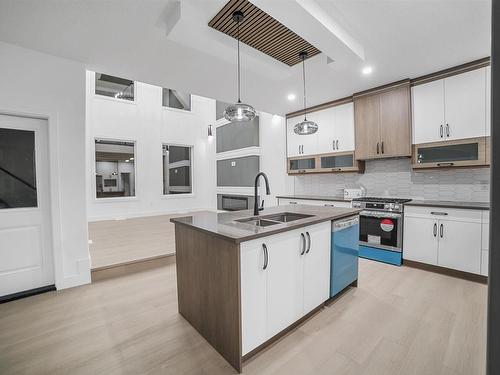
345 223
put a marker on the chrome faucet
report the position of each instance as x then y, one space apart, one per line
256 207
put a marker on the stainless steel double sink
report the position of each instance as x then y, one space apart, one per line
268 220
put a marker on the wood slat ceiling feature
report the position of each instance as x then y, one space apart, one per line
262 32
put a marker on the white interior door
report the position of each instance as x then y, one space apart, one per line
26 259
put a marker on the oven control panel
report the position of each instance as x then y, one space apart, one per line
394 207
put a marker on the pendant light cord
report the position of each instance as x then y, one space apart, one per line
304 80
238 23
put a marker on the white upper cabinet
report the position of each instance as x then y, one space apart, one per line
301 145
465 105
336 129
428 112
450 109
488 101
335 132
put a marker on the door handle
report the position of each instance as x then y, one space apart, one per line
447 130
303 241
435 229
441 131
439 213
378 148
441 231
266 256
382 147
445 164
337 144
309 242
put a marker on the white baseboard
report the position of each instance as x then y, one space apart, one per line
82 278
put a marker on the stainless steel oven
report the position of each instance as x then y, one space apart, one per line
234 202
381 229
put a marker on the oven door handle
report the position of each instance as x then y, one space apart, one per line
391 215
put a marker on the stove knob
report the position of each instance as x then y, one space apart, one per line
397 207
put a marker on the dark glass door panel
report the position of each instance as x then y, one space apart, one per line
337 161
448 153
298 164
17 169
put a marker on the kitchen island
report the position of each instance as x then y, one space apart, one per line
243 281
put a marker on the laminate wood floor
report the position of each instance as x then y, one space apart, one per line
398 321
124 241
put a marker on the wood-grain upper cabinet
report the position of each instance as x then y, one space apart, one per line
382 123
367 126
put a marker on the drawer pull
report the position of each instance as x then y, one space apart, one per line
439 213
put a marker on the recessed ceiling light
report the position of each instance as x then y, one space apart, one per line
367 70
291 97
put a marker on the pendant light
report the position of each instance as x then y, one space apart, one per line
305 127
239 111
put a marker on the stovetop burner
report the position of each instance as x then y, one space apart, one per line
382 200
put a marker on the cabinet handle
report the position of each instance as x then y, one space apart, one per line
266 256
382 147
378 148
445 164
441 131
299 149
447 130
303 241
337 144
439 213
336 169
329 205
291 202
333 144
435 229
441 231
309 242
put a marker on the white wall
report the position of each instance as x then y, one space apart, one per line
41 85
150 125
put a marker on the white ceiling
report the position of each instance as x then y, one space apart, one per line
168 43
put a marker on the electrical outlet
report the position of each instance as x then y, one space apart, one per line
233 164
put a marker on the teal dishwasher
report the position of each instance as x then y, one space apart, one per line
345 249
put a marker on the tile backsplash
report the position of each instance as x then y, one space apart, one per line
395 177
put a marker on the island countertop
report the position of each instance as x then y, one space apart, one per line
223 224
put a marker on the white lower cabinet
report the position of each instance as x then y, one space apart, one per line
283 277
314 202
448 238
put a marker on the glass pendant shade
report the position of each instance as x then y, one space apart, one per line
305 127
239 112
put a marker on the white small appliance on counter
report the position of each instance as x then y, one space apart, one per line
350 194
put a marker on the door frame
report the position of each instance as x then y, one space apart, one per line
54 185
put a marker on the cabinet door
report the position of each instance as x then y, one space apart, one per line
460 245
420 241
465 105
253 295
293 141
344 127
428 112
395 127
488 101
310 142
366 121
326 131
284 281
317 266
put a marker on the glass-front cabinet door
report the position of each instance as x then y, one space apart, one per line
339 162
302 165
468 152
